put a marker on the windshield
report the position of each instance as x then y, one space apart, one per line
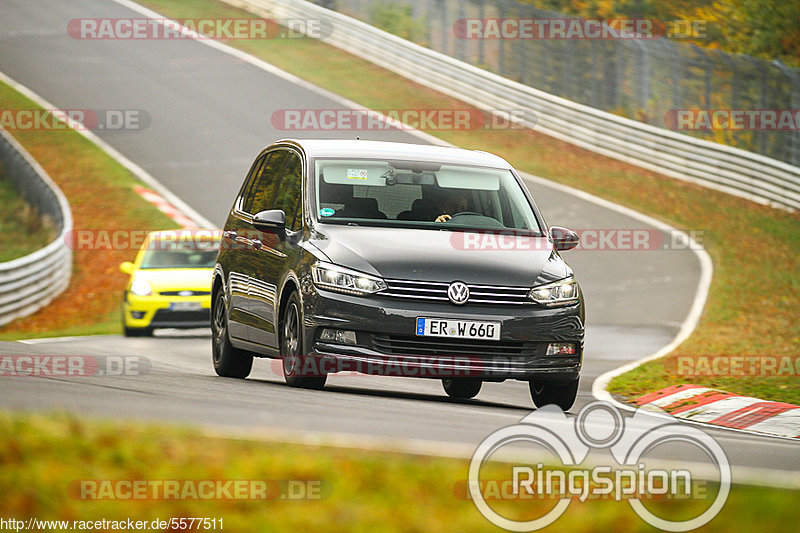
425 195
197 254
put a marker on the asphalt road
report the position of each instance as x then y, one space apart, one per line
209 116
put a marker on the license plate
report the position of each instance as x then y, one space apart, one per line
185 306
458 329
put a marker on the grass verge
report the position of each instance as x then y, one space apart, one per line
89 178
754 299
45 457
22 230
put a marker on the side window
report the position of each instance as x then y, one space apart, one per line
251 177
290 192
261 195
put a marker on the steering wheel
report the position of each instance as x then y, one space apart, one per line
465 213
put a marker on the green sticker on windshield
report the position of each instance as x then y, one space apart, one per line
326 212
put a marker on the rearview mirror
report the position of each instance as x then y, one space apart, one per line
126 267
564 239
271 220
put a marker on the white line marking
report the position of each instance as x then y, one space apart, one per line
48 340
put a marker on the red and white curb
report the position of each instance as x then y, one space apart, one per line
711 406
166 207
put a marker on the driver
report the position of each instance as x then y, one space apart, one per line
453 203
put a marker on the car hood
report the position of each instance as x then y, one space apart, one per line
177 279
431 255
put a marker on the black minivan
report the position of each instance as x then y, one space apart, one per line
396 259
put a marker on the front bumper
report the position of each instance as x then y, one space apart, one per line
160 311
387 344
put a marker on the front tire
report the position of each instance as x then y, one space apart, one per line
462 388
229 361
560 393
298 369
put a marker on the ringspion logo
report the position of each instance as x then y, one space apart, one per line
599 426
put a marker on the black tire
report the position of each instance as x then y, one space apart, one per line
229 361
560 393
462 388
298 370
137 332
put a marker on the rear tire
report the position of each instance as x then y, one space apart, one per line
462 388
299 370
560 393
229 361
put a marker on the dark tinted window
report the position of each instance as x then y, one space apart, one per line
261 194
181 254
290 191
251 176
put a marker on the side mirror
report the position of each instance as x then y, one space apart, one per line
273 220
564 239
126 267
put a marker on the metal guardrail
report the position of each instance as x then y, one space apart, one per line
32 281
680 156
646 79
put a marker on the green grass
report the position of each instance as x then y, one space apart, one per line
22 229
754 300
44 456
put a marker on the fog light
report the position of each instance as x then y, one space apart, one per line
137 314
561 348
341 336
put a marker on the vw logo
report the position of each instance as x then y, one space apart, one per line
458 292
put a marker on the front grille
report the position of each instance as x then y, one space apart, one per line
413 345
436 291
165 317
178 293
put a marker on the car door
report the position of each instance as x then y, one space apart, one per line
274 254
239 234
233 243
262 280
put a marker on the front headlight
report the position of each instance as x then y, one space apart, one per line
564 292
140 287
336 278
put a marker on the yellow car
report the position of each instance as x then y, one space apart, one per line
170 282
